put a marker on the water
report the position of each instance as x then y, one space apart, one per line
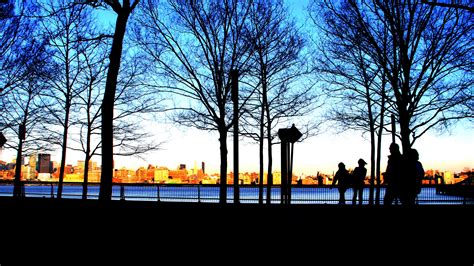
210 194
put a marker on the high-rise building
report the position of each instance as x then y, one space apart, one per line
44 163
31 169
32 161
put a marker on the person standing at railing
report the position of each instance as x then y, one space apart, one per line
342 179
393 174
358 177
410 184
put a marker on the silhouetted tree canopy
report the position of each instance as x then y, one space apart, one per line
193 48
429 63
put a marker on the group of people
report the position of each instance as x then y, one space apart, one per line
345 180
402 178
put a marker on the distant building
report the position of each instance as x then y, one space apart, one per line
276 178
32 161
178 176
161 175
448 177
141 174
81 165
68 169
44 163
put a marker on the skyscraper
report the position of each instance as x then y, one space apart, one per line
44 163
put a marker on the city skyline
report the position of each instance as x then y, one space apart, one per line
321 153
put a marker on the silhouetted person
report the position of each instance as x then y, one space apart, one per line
342 179
410 183
393 174
358 177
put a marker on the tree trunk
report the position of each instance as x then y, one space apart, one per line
86 177
270 155
260 151
64 148
372 162
223 170
404 128
108 108
372 149
17 186
379 141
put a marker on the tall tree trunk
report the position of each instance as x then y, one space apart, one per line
379 141
66 121
270 150
86 177
372 162
372 148
85 185
64 147
223 169
404 122
261 140
17 186
108 108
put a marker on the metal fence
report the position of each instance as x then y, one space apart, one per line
300 194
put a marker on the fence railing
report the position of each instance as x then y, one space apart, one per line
300 194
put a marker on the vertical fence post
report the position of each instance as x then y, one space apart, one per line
122 192
52 190
199 193
158 192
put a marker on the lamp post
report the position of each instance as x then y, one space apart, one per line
288 137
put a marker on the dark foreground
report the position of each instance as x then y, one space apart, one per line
126 226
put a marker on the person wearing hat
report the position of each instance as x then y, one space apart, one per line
358 177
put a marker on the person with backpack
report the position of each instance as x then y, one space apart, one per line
358 177
414 173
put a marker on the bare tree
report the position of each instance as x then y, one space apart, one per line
22 110
123 10
355 83
430 69
71 34
428 66
276 70
413 52
92 80
194 47
134 102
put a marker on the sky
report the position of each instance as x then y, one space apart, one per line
447 152
451 151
